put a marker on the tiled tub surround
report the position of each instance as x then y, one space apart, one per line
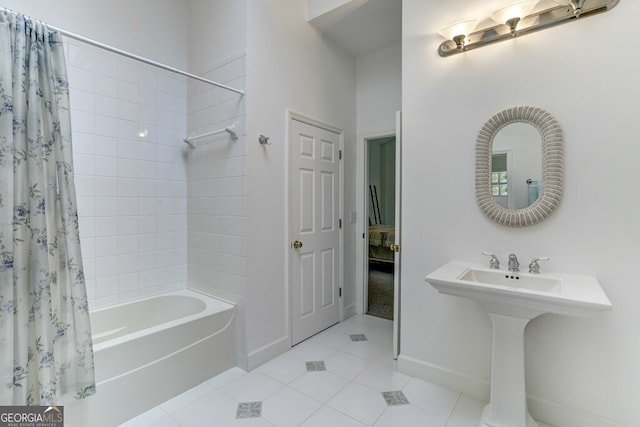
216 183
359 386
151 349
128 121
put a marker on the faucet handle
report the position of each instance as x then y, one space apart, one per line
494 262
534 267
514 264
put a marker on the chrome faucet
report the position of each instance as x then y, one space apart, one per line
494 262
514 265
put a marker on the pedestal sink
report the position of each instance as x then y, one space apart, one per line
511 300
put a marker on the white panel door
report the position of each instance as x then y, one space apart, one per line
315 194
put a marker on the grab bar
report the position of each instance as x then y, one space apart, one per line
231 130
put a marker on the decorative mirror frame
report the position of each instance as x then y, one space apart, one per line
552 167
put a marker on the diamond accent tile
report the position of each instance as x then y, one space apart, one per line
316 366
322 389
249 410
394 398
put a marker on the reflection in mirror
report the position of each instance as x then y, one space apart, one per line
516 166
507 159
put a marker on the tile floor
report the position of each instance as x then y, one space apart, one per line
342 377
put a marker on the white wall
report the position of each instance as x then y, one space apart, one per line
156 29
217 31
290 66
578 369
379 90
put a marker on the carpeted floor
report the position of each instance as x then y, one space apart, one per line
380 292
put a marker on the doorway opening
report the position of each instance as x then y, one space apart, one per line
381 196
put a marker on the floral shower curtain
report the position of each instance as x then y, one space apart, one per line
46 355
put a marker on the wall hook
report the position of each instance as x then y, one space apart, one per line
263 140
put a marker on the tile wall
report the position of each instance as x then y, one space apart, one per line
128 121
217 189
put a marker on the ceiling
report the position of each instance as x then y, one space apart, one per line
374 25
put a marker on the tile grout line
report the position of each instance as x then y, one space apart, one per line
453 408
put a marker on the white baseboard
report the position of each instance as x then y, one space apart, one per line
349 311
469 386
547 411
267 352
557 414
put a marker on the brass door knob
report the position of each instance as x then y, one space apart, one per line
297 244
395 248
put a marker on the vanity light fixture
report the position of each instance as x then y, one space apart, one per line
458 31
520 18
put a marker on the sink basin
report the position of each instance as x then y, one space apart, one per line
529 282
521 294
511 299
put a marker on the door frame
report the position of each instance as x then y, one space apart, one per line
290 117
363 201
362 235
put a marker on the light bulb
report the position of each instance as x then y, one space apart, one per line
458 31
512 14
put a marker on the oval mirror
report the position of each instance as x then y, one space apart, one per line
519 166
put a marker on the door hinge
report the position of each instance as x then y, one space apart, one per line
340 222
340 154
340 292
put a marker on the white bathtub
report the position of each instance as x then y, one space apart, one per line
151 349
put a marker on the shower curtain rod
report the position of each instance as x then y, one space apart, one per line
137 57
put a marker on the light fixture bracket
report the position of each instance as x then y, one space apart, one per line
577 7
556 15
